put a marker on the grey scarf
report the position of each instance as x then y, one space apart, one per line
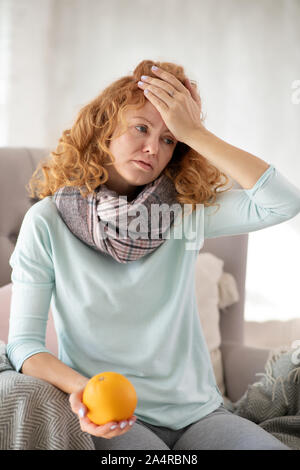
108 223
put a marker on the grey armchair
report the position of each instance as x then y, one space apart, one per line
240 362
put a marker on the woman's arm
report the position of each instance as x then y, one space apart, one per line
267 197
242 166
271 201
47 367
33 280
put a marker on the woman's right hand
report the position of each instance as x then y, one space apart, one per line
88 426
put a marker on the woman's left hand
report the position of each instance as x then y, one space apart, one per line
181 112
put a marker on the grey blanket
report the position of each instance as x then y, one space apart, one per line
274 402
35 415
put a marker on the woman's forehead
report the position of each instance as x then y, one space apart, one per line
152 115
148 110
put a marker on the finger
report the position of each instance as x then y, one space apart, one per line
157 102
189 87
105 429
73 399
192 87
170 78
118 431
76 404
88 426
146 81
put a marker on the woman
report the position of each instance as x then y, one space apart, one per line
123 305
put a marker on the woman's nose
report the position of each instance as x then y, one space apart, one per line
151 145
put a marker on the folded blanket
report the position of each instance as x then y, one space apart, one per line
274 402
35 415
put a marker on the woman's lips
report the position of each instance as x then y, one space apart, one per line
143 165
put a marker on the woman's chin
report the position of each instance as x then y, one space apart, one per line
138 179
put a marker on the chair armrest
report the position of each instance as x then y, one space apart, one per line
240 364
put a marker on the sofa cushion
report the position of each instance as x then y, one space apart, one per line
215 290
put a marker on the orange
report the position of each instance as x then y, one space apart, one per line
109 396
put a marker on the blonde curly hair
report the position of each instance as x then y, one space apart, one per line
82 150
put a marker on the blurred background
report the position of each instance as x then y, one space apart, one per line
57 55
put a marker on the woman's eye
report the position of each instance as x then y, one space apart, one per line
171 142
144 127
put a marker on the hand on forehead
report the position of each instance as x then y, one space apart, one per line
151 114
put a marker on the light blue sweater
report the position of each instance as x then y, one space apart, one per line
139 319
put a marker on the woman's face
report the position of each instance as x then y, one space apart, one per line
146 139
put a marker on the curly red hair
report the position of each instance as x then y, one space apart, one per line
82 150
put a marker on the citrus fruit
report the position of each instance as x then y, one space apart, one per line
109 396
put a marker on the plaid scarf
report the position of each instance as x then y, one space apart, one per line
108 223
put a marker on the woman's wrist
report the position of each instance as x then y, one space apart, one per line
199 139
80 383
240 165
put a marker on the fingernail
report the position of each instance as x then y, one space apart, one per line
123 424
154 67
113 426
131 422
81 412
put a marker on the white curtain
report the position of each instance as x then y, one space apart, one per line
56 55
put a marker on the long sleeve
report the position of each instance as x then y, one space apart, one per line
272 200
33 281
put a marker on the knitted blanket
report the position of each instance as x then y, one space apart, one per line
274 402
35 415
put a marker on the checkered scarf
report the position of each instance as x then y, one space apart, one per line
108 223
